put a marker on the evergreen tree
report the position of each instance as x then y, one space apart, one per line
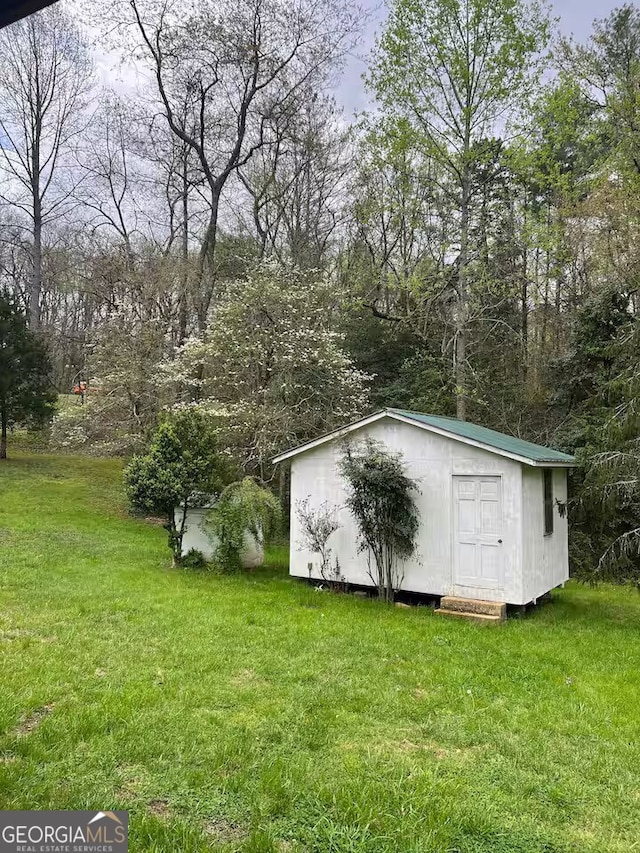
26 396
182 468
596 402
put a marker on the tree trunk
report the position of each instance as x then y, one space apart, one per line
462 308
524 288
36 274
206 270
182 312
176 534
3 438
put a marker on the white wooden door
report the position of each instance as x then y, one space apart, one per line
477 536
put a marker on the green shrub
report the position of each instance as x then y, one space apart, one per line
26 396
380 497
194 559
243 507
182 468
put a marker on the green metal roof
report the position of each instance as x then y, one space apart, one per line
489 437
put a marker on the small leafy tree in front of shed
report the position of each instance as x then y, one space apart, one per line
183 467
380 497
317 526
244 508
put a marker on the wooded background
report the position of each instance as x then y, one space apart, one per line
220 235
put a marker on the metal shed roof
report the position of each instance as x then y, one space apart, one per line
495 442
491 438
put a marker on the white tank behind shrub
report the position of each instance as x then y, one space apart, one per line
197 537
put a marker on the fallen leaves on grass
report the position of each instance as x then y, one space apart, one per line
31 721
159 808
224 830
248 677
24 634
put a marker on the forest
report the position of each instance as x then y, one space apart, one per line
217 233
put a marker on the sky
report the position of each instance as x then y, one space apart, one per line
576 18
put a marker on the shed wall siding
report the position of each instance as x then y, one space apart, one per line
546 558
432 460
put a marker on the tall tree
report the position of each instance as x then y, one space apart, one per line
459 71
297 182
607 69
44 77
25 387
235 66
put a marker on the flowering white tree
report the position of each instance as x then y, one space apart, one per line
273 360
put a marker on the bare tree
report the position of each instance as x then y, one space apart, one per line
236 67
297 182
44 77
174 170
112 187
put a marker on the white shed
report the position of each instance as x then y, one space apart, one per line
489 504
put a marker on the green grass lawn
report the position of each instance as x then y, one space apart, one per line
251 713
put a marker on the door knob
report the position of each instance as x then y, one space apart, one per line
499 541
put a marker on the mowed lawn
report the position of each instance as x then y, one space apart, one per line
251 713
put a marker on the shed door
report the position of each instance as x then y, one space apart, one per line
477 545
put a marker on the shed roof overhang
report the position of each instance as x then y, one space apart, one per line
12 10
446 427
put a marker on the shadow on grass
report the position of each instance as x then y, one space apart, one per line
598 606
276 559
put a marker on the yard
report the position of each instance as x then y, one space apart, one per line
251 713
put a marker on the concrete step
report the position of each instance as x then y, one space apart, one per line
472 605
484 618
